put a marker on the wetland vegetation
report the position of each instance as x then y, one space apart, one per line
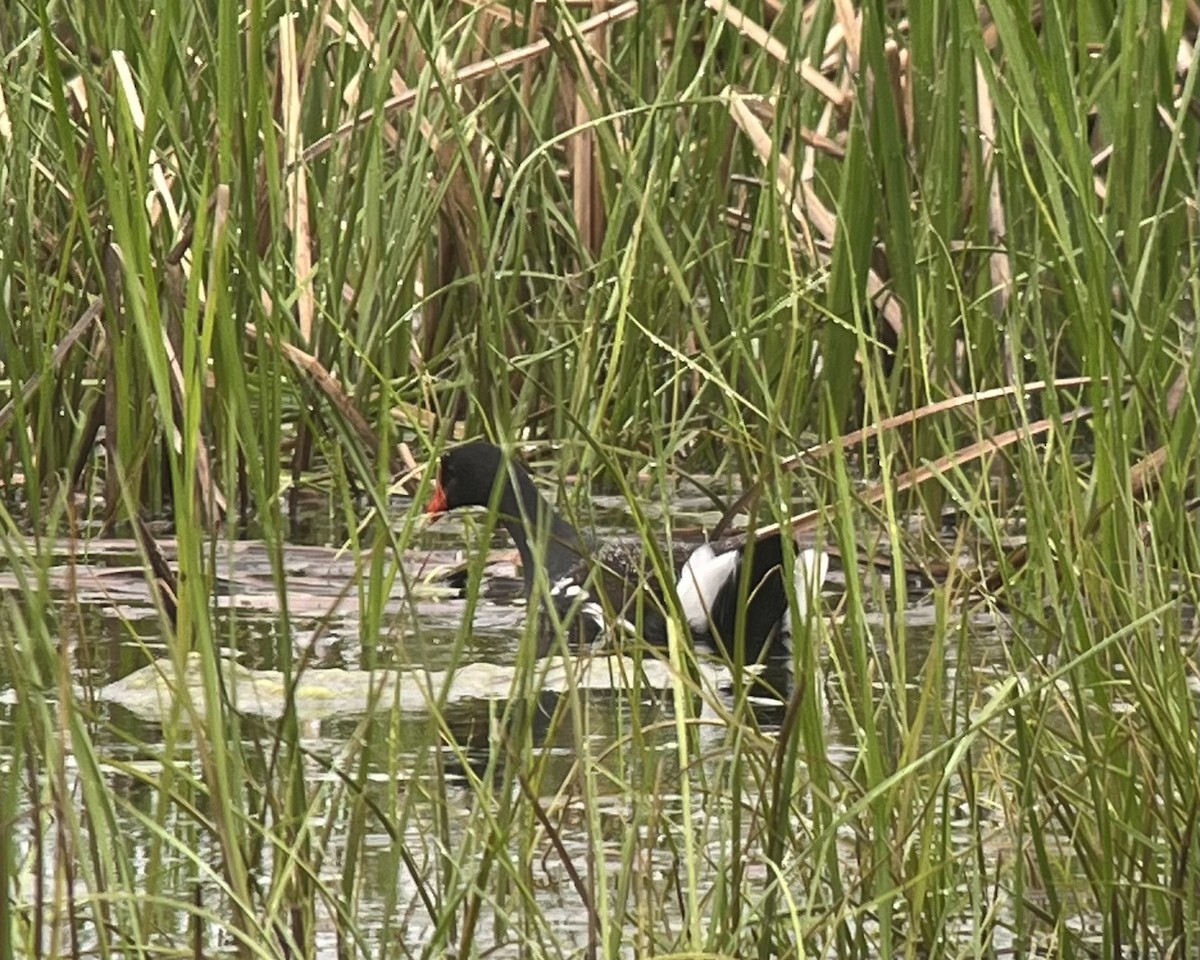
919 280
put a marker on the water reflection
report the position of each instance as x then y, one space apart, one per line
432 782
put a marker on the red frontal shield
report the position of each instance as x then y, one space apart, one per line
437 503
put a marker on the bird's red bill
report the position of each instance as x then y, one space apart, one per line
437 503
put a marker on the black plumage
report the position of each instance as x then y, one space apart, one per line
604 589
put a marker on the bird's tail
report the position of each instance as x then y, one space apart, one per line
810 568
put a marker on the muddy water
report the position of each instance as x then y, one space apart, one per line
103 614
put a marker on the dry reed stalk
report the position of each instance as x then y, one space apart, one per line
849 27
533 29
998 263
61 350
880 492
590 53
758 35
356 27
473 71
297 182
806 206
894 422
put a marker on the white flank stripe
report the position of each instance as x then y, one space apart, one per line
566 587
593 611
701 580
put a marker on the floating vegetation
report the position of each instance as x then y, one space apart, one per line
913 283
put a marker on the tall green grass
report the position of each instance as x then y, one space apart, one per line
618 242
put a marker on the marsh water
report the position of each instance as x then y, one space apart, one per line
464 654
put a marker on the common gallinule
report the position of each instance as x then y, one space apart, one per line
601 589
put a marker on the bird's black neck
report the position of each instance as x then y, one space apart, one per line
526 515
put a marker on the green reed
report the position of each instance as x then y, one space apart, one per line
607 245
